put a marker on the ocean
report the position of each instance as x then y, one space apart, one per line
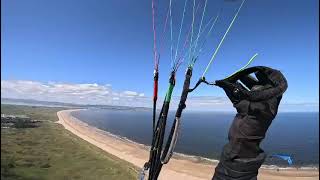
203 134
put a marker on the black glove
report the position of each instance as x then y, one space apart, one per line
256 102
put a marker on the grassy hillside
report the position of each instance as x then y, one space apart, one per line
51 152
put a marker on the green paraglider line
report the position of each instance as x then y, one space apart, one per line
224 36
202 78
245 66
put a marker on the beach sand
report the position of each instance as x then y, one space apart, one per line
178 168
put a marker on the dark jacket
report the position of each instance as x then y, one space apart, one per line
256 101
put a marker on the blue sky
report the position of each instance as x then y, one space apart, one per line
109 44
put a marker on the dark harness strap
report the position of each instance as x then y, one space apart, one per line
201 80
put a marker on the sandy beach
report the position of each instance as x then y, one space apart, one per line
177 168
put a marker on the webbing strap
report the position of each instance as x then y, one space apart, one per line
170 88
155 97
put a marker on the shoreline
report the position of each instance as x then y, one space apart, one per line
179 167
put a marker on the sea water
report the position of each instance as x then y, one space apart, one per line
203 134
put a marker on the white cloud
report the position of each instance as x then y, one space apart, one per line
105 95
66 92
130 93
96 94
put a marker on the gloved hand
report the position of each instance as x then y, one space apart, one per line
256 102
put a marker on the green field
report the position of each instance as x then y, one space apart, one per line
51 152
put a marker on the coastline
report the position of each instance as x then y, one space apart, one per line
180 166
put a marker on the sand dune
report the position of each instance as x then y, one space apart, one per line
177 168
